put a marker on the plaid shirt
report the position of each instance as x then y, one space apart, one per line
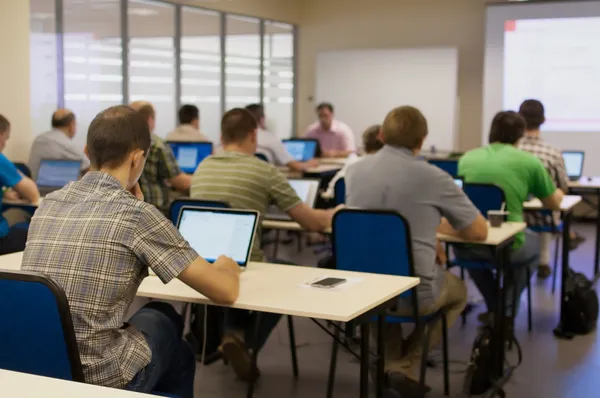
96 241
161 165
554 163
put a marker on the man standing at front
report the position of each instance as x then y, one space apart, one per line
335 138
430 200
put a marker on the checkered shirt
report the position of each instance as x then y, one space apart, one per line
96 241
554 163
161 166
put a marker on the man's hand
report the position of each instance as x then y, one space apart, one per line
227 264
440 254
312 163
12 196
137 191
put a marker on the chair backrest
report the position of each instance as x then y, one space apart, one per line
485 196
339 192
262 156
450 166
36 329
177 204
375 241
23 168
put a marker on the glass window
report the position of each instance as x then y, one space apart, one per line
242 61
43 64
278 48
92 60
152 60
201 67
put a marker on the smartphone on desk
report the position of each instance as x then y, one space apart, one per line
328 283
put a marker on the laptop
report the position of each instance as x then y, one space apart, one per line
54 174
215 232
574 164
190 154
307 189
459 182
301 150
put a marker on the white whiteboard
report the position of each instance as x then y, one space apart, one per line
364 85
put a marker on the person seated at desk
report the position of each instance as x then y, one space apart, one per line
189 126
371 143
335 138
13 237
393 178
533 113
238 178
161 171
271 146
96 238
57 143
519 174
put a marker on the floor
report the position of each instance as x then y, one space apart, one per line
551 368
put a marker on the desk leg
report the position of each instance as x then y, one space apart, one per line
597 247
558 332
380 356
502 256
364 360
255 338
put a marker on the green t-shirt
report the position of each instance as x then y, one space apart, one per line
517 172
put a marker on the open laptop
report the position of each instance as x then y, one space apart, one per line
54 174
301 150
190 154
307 190
215 232
574 164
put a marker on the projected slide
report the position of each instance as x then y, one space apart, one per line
558 62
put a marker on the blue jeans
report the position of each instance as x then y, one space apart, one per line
173 366
526 257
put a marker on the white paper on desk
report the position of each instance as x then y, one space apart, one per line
349 282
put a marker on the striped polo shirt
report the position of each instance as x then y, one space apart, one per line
244 182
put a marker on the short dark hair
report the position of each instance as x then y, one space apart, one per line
405 127
144 108
64 121
257 110
325 105
114 133
4 124
508 127
236 125
371 140
533 112
188 113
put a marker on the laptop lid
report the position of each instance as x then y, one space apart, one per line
307 189
301 150
214 232
190 154
574 163
55 174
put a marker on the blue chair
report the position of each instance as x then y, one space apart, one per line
488 197
379 241
450 166
262 157
339 192
178 204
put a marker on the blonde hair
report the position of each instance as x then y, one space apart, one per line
144 108
404 126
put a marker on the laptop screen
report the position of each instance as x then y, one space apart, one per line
216 232
190 154
301 150
573 163
57 173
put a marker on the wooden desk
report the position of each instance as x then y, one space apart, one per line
23 385
319 171
335 161
591 186
567 204
496 236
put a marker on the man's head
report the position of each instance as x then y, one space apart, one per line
119 139
258 111
533 112
147 111
190 114
4 132
325 113
64 119
372 139
405 127
508 127
238 129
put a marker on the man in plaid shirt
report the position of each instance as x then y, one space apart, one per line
96 238
533 113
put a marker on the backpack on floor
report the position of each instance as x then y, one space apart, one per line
214 331
580 307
